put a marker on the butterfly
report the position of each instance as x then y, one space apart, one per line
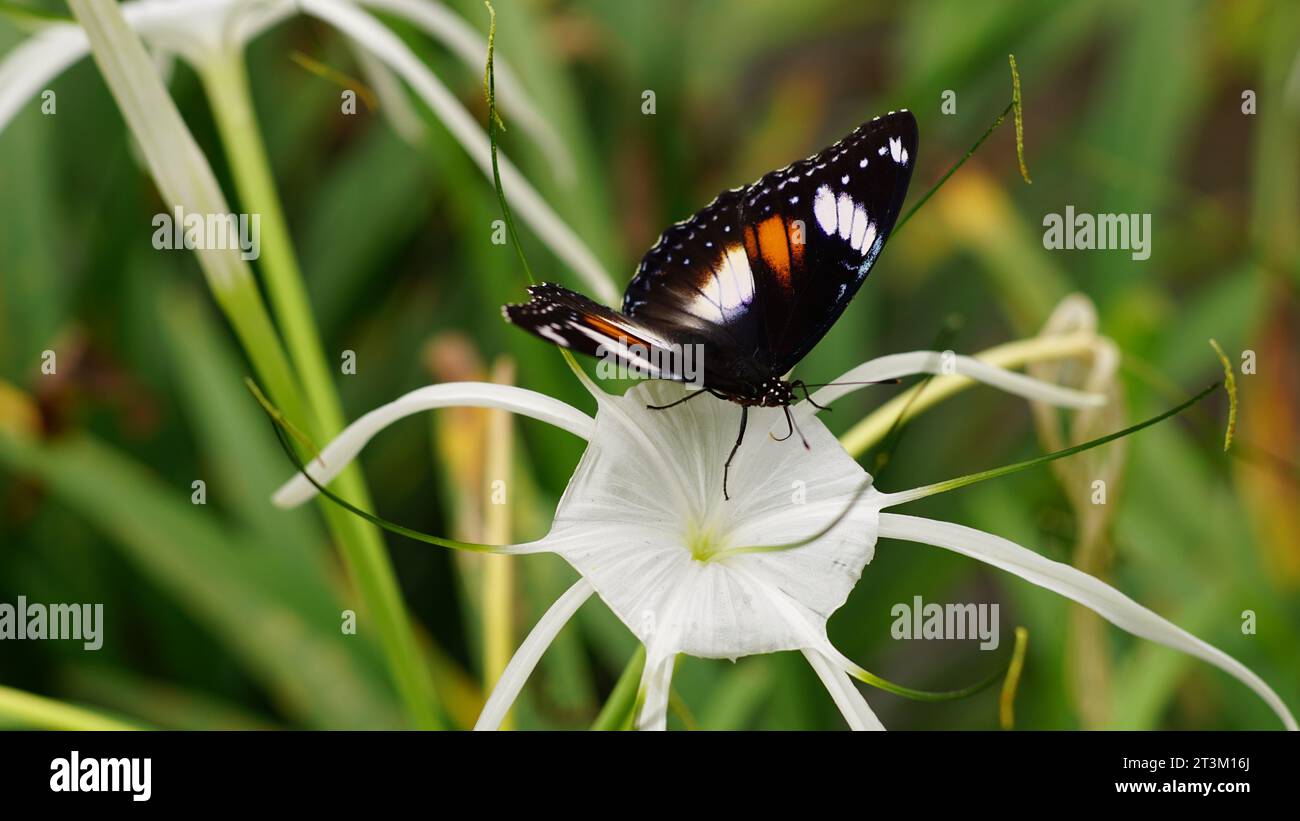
753 280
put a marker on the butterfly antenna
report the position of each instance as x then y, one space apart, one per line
806 385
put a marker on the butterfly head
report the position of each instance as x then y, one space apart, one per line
774 393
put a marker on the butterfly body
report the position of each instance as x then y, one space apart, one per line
754 279
773 393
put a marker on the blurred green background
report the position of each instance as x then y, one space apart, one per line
227 615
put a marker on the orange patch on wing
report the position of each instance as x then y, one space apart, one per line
751 242
613 331
797 241
772 242
768 242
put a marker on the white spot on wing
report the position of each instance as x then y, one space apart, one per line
712 291
869 238
620 349
896 150
824 209
742 280
859 229
545 331
845 215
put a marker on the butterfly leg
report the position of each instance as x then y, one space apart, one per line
726 468
802 438
690 395
789 427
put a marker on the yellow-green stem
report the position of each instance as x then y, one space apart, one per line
225 81
1007 699
241 302
30 710
621 704
498 571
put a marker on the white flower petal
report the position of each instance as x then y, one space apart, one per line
394 104
847 697
32 64
648 491
471 46
1075 312
525 659
196 28
386 45
193 29
344 448
899 365
1095 371
656 687
1074 584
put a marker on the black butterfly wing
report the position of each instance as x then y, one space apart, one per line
571 320
697 278
763 271
696 283
814 229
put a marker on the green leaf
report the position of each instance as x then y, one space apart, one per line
275 613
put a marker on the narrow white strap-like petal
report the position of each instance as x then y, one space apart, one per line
470 45
525 660
32 64
846 695
395 104
899 365
338 453
827 662
178 166
656 685
1074 584
365 29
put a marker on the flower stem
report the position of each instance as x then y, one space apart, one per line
495 124
1229 383
31 710
498 571
1007 699
225 81
892 499
914 694
243 307
280 425
1016 106
997 121
873 428
618 709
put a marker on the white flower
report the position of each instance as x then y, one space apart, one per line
644 522
206 33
